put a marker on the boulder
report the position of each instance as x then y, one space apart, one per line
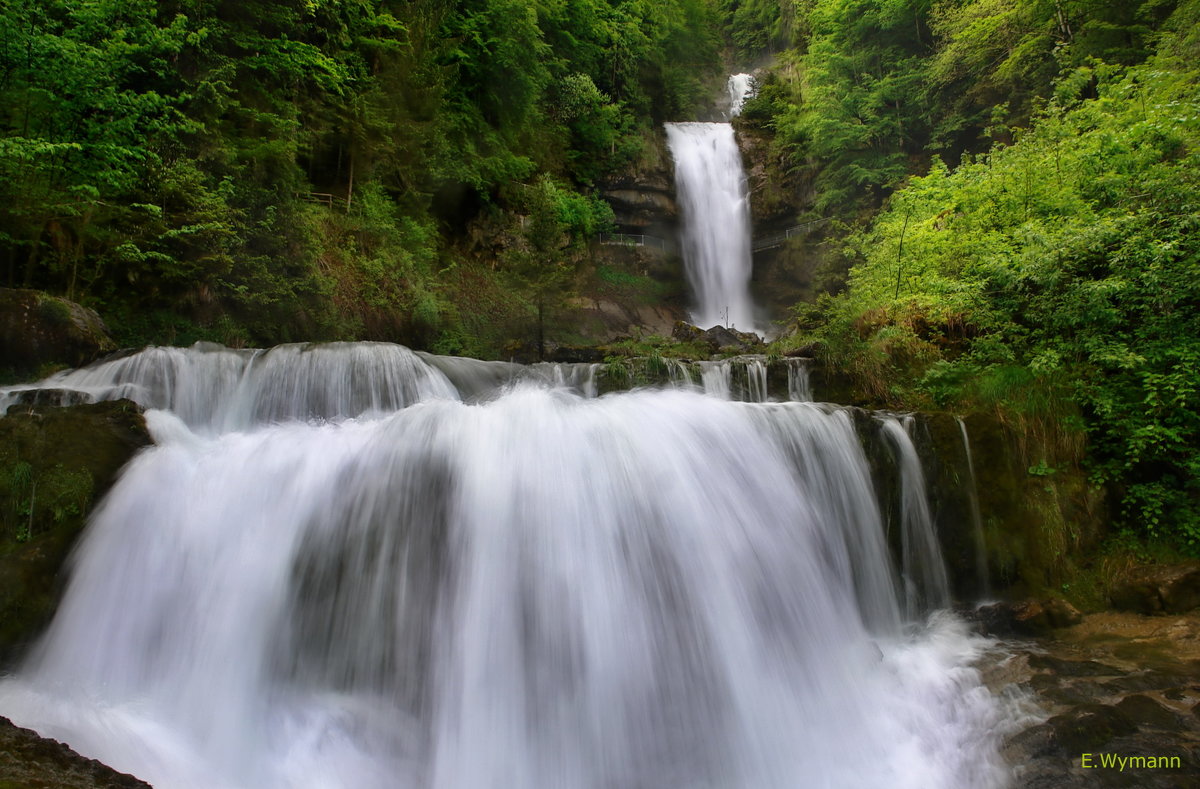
37 329
1026 617
719 338
1158 589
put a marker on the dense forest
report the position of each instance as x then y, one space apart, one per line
1009 187
1017 185
253 172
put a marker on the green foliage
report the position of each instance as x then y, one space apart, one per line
34 501
657 347
206 164
554 224
1060 267
758 26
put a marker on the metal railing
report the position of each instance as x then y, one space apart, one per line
778 239
636 240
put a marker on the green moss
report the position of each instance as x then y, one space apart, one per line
54 311
658 346
54 464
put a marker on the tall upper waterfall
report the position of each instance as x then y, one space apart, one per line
356 566
739 87
711 188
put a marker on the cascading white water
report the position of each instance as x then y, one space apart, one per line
981 560
715 209
656 589
214 388
799 381
739 87
923 571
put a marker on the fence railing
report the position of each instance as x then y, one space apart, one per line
323 198
758 244
778 239
636 240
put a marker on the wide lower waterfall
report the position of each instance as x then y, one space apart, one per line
450 574
715 209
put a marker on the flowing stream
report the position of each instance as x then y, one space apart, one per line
357 566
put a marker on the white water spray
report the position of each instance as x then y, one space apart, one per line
658 589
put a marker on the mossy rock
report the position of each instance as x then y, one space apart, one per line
55 463
30 761
1159 589
1089 727
37 330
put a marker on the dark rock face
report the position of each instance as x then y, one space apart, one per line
643 197
37 329
1033 526
642 206
30 761
797 269
1159 589
55 463
778 193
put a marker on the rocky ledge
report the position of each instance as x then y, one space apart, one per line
29 761
1119 701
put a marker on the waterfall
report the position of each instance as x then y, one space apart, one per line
739 87
715 210
450 574
922 570
799 380
981 560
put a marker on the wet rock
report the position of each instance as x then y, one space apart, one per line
1156 589
1068 695
55 463
1073 668
1121 684
1142 681
1037 616
37 329
1089 727
30 761
47 397
1034 741
1144 710
778 192
1026 617
1179 694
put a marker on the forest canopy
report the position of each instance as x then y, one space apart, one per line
296 168
1018 185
